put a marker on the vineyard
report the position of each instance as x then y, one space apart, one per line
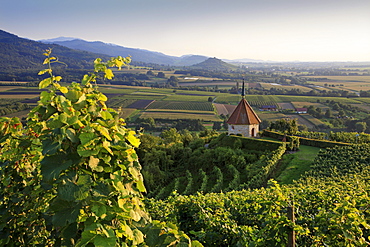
227 166
348 137
331 207
354 160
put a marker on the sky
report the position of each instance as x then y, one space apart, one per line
276 30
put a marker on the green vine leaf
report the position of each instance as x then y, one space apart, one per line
63 90
61 171
93 162
45 83
49 170
133 139
44 71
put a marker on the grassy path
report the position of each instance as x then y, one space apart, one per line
295 164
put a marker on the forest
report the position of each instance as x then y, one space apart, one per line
73 174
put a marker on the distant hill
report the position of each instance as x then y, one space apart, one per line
18 53
189 60
137 55
214 64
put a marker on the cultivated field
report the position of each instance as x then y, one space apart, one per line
286 87
350 83
173 115
308 104
167 103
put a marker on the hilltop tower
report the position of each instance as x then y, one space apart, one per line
243 120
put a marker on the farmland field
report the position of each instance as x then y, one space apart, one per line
286 87
301 120
6 88
229 84
168 103
351 83
186 98
227 98
308 104
141 104
344 78
286 106
362 106
178 115
270 116
364 100
16 96
224 109
188 105
126 112
311 119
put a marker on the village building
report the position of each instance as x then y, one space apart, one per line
301 110
268 108
243 120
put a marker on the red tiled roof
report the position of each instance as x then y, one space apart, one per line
244 115
301 109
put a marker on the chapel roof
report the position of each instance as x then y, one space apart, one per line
243 114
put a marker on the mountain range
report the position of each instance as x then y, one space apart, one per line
137 55
21 53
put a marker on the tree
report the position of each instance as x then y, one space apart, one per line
265 124
171 135
150 73
360 126
161 74
173 81
225 124
216 126
328 113
288 126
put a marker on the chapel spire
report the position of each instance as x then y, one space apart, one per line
243 90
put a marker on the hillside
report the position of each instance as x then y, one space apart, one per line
214 64
138 55
20 53
188 60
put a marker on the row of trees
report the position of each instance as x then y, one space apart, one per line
158 125
7 108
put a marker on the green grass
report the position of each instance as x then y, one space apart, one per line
294 165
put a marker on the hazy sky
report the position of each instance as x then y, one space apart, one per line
280 30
